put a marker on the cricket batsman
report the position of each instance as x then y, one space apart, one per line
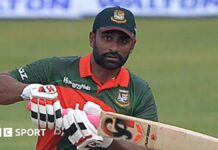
61 91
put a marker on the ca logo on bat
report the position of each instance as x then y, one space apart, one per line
124 129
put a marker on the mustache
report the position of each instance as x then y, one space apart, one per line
112 54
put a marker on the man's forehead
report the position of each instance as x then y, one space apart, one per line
121 33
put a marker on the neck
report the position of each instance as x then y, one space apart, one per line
102 74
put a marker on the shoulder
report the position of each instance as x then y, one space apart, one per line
56 60
143 102
138 83
62 64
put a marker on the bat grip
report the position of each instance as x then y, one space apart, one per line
94 119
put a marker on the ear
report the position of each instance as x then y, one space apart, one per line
91 39
133 45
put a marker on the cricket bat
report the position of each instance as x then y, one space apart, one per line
149 134
152 135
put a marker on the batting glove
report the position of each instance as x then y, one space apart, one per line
44 105
80 131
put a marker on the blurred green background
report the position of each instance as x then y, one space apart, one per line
178 57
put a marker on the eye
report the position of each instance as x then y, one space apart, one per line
107 37
124 40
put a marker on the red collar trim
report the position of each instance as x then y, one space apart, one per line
85 71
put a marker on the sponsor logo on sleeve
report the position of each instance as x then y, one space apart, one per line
22 73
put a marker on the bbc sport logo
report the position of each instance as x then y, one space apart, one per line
10 132
6 132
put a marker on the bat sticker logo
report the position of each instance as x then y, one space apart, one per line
119 126
147 135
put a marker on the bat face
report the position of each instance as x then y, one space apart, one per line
119 127
153 135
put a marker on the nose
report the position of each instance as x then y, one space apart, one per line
114 46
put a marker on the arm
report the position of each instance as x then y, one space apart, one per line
10 89
13 82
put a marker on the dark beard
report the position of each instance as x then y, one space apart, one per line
101 59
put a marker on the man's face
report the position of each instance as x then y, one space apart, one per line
111 49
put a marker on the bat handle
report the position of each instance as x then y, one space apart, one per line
94 119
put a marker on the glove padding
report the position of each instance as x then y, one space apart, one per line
44 105
81 132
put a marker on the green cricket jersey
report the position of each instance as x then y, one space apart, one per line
126 93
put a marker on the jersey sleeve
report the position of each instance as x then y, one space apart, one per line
36 72
144 105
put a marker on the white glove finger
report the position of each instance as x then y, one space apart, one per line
84 123
42 113
57 111
66 125
90 139
92 108
70 128
75 134
50 113
34 111
80 131
46 108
